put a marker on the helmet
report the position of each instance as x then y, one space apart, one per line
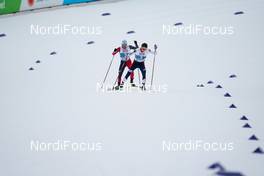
124 42
144 45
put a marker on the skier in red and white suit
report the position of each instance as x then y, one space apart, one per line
124 52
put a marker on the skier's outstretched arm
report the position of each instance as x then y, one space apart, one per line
129 54
134 47
116 50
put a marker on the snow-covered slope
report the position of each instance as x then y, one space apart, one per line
59 99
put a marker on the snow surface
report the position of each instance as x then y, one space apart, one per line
58 100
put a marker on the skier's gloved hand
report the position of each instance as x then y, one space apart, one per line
136 44
114 52
155 47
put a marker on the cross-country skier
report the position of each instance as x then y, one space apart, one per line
124 53
139 62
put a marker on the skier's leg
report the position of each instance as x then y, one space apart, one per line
120 72
133 67
143 71
129 64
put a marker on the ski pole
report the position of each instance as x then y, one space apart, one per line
153 67
107 71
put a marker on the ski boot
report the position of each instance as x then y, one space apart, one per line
119 86
143 87
132 83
